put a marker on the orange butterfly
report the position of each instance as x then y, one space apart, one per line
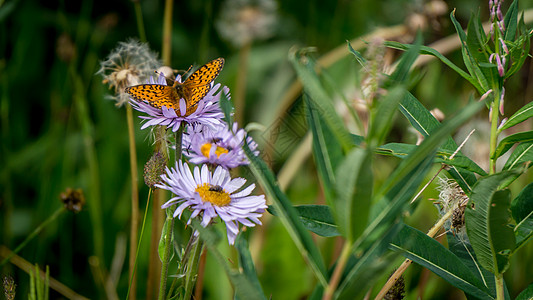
193 89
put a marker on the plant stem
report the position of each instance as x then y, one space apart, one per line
134 202
34 233
335 278
167 33
139 243
494 129
500 295
140 22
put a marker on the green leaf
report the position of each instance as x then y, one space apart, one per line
353 193
406 61
316 218
357 54
401 150
526 294
520 116
430 51
519 49
510 20
384 117
521 154
522 211
422 120
468 58
288 215
305 68
459 245
509 141
427 252
227 108
476 41
246 263
327 152
487 223
162 240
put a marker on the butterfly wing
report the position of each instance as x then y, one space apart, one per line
198 84
157 95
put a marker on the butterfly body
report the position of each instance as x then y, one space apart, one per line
192 90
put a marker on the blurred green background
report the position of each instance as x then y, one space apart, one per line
55 119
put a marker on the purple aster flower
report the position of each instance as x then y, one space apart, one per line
207 113
222 147
213 194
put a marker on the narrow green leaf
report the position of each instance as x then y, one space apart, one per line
401 150
520 116
522 211
316 218
247 264
162 241
510 20
357 54
509 141
425 123
304 66
519 49
227 108
487 219
353 193
406 61
384 117
327 152
430 51
526 294
476 42
468 58
427 252
521 154
288 215
459 245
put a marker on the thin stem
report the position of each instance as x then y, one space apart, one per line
167 33
140 22
139 243
179 138
134 202
500 295
335 278
34 233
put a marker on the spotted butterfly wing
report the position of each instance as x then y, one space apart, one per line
157 95
198 84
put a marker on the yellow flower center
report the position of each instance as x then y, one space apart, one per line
206 149
214 194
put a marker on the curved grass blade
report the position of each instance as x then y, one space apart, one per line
509 141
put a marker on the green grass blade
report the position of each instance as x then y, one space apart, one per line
509 141
520 116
